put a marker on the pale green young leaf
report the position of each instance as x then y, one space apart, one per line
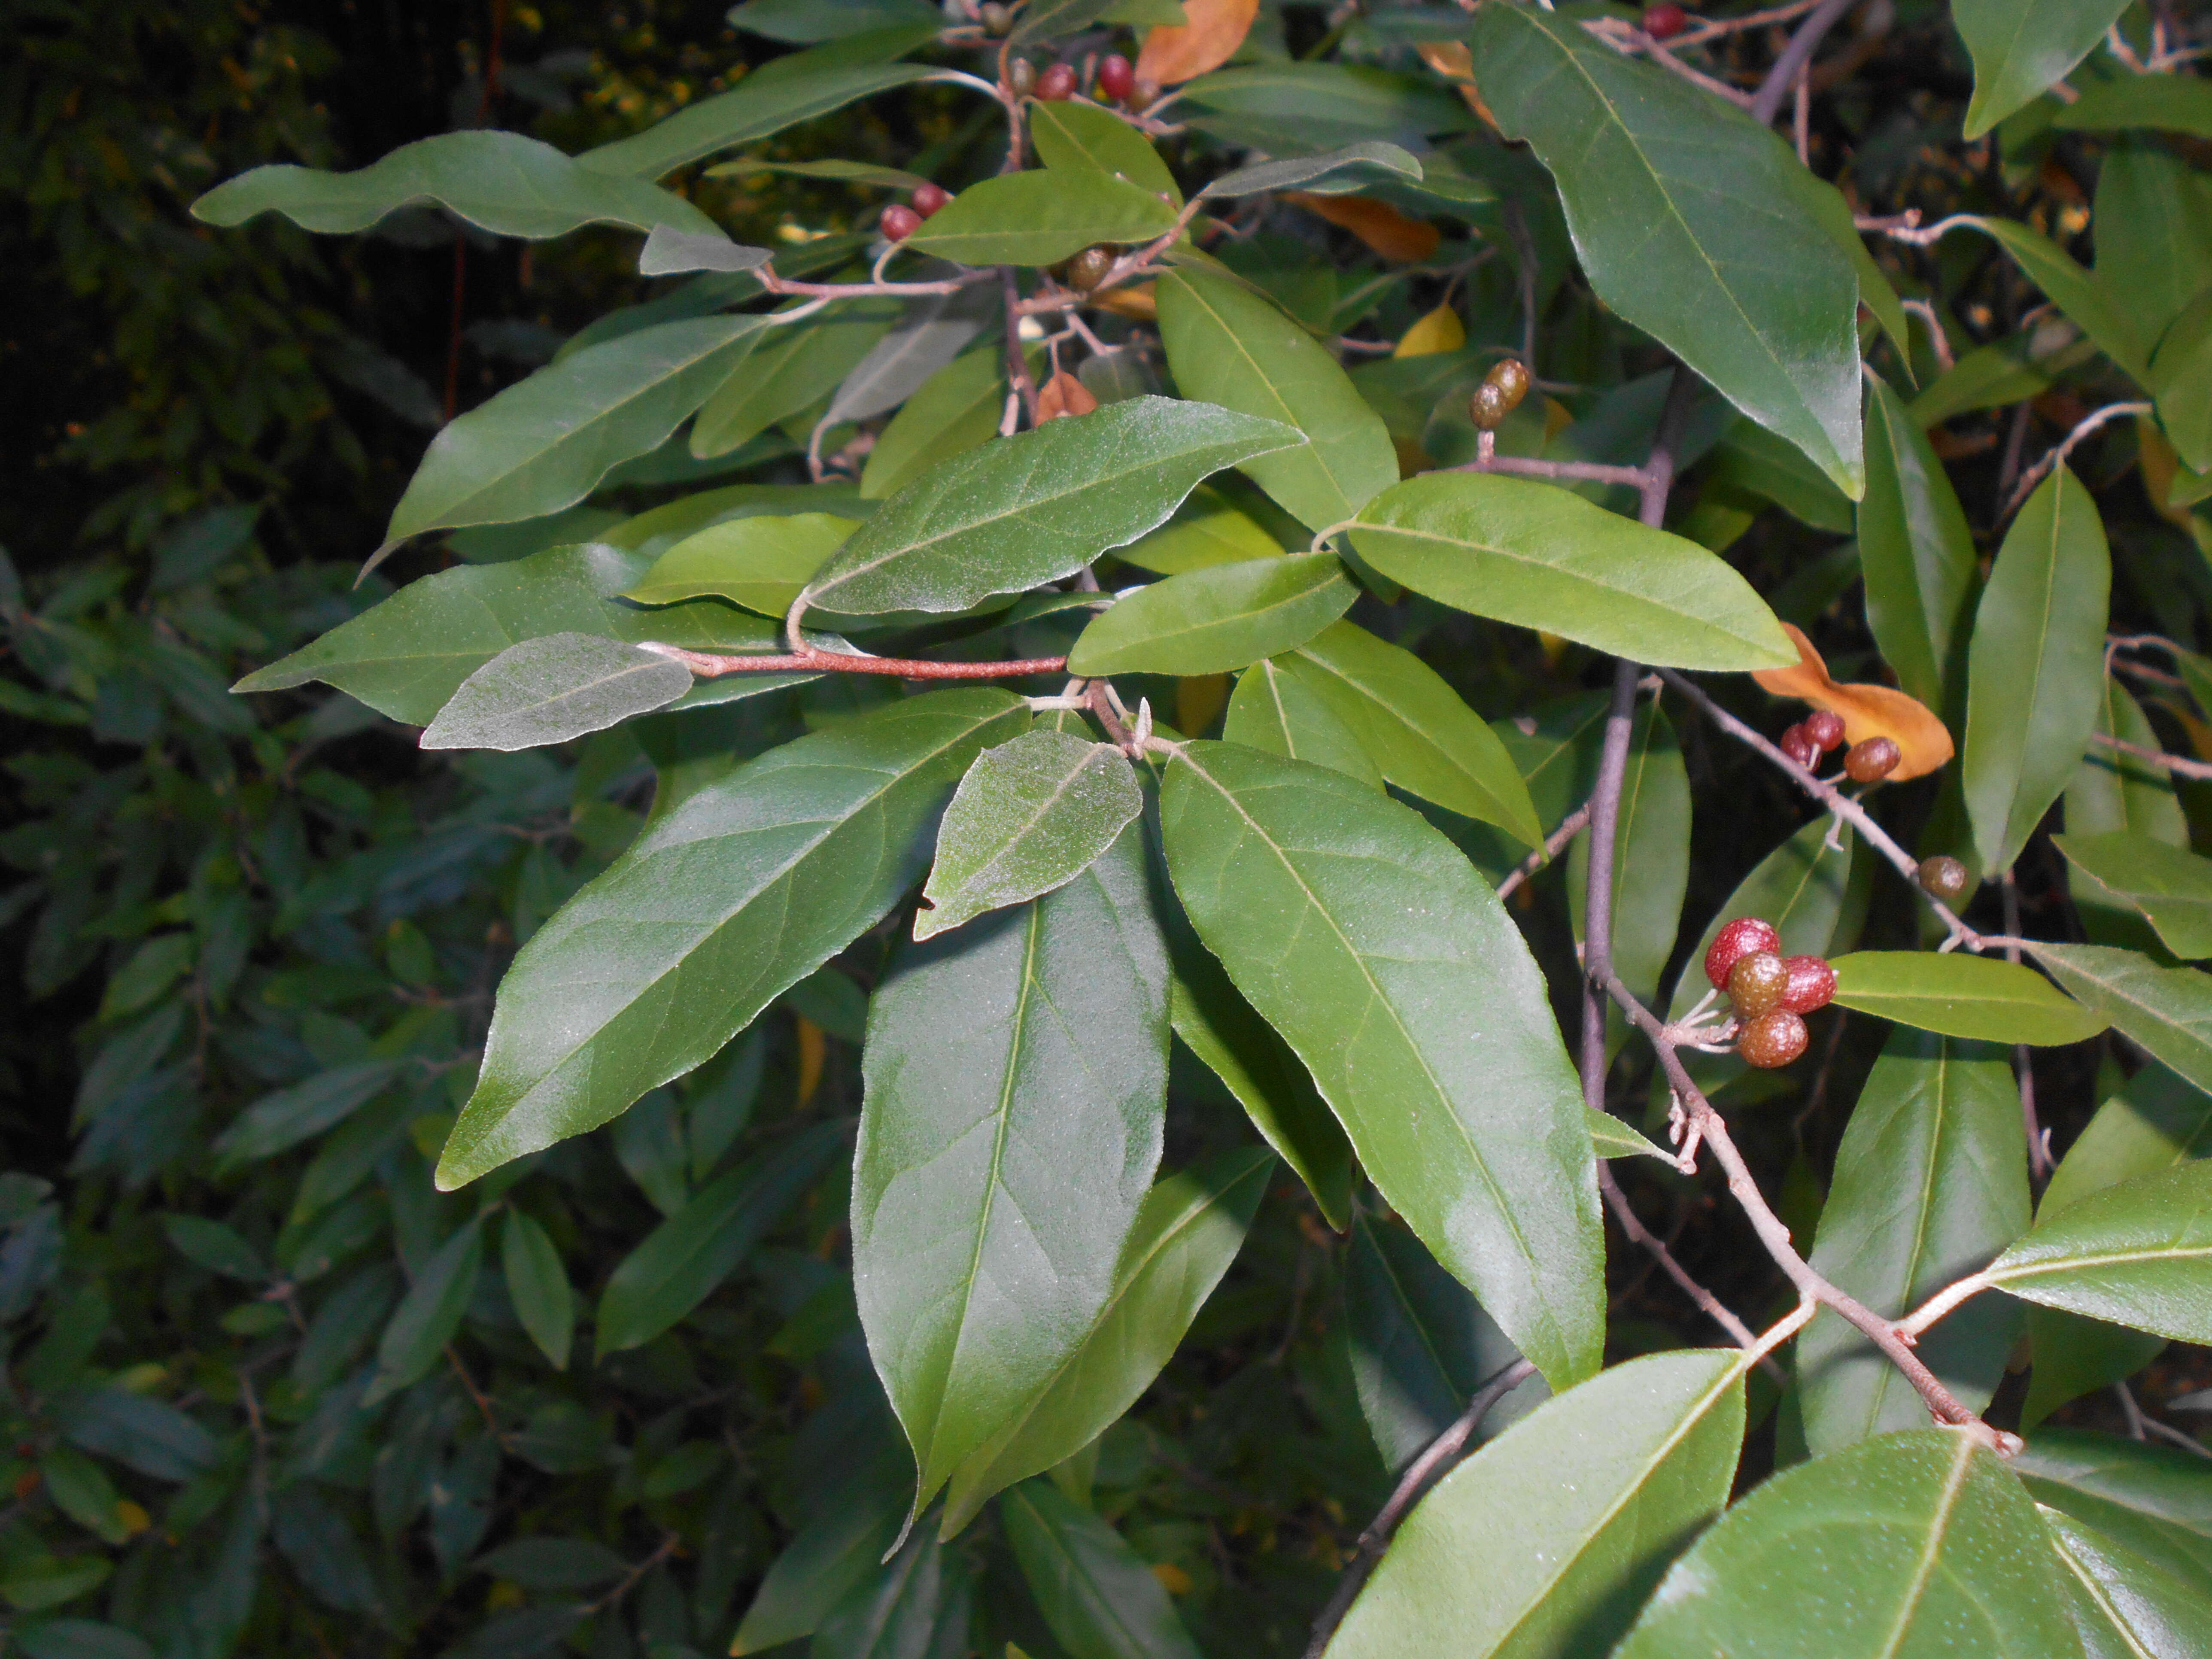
956 408
554 687
1030 816
1017 1080
1958 995
1574 1512
1041 217
759 563
1235 348
1930 1182
787 372
429 1315
1273 710
1915 549
1097 1595
1206 530
1036 506
2019 50
1365 939
659 961
1223 617
2167 1011
1530 553
538 1285
1614 1139
1071 136
2137 1253
2171 887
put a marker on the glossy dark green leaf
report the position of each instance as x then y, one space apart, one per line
1072 136
1030 816
1365 939
2171 103
139 1430
685 1259
2125 1606
1017 1078
2090 305
787 372
837 1551
1914 547
429 1315
956 408
1573 1514
2138 1254
2171 887
1041 217
2167 1010
1682 212
1212 621
1235 348
610 997
759 563
916 1604
1337 172
509 183
2020 51
1918 1543
1036 506
2181 379
1751 461
1960 995
1097 1595
1422 737
554 687
2154 218
1186 1233
538 1285
1533 553
1930 1182
2093 1475
1652 855
1272 709
1288 108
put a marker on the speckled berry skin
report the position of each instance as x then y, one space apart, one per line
1944 878
1812 984
1797 743
928 198
899 221
1056 84
1736 941
1665 22
1088 268
1757 983
1870 761
1116 79
1772 1040
1825 727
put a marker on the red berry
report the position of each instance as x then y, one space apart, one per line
1873 759
1812 984
928 198
1117 78
1665 22
899 221
1757 983
1773 1039
1056 84
1799 744
1825 728
1736 941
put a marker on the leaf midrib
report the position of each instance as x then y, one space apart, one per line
1955 1480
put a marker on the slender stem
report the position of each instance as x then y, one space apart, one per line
1942 1303
1597 905
1527 466
1570 827
1018 362
1419 1474
1644 1238
1797 55
2088 424
774 284
709 665
2177 764
2023 1057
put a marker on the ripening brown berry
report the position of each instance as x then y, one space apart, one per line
1825 727
1735 942
1812 984
1145 94
996 19
1510 376
1944 878
1088 268
1487 408
898 222
1798 743
1757 983
1774 1039
1117 78
1056 84
1021 77
1872 760
928 198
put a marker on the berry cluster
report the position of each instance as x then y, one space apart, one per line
1868 761
1772 993
899 221
1499 394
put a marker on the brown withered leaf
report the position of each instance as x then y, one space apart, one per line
1378 224
1869 711
1063 395
1215 29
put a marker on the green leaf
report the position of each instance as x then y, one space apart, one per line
1573 1512
1686 222
932 331
2170 103
789 372
1030 816
217 1247
1338 173
2165 1010
1100 1600
1752 461
544 443
1212 621
2125 1605
538 1284
554 687
1804 888
834 1553
684 1260
1963 996
1186 1233
1613 1139
1034 507
918 1603
2154 218
1017 1078
507 184
2036 667
1273 710
2089 304
805 21
1422 736
1077 137
2181 380
2093 1475
1365 939
1233 347
1289 108
1919 1543
78 1639
760 562
2171 888
2138 1254
1914 547
278 1122
1046 19
804 86
1205 530
429 1315
1530 553
2020 51
1930 1182
1652 855
956 408
1041 217
2009 371
747 887
148 1435
2112 792
1420 1344
81 1490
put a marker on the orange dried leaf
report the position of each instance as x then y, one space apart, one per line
1062 395
1215 29
1378 224
1138 304
1453 59
1868 711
